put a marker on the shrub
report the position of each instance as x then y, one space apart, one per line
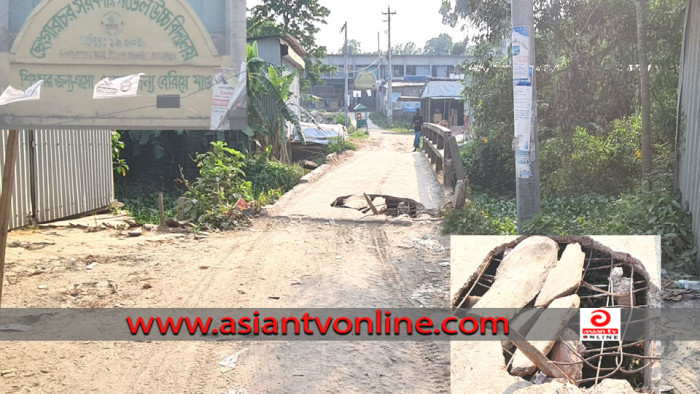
489 160
471 220
340 119
339 145
658 213
269 177
144 207
118 163
211 199
379 119
608 163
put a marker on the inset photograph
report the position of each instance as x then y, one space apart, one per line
530 278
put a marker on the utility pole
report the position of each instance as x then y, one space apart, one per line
345 53
390 105
527 171
235 42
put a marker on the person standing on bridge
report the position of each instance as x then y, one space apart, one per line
417 124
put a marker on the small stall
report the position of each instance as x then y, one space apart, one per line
361 116
440 102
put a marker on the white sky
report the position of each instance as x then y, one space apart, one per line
415 20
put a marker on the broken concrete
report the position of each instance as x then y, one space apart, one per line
388 205
460 197
617 386
555 387
621 288
521 274
562 352
564 278
479 367
523 322
552 326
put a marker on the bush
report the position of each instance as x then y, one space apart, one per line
359 134
379 119
659 213
144 207
472 220
118 163
211 199
607 164
339 145
340 119
270 178
489 160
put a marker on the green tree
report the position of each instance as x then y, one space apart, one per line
585 82
300 19
459 48
440 45
353 48
409 48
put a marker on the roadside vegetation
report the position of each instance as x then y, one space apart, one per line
590 124
399 125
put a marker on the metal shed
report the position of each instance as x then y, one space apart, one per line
688 131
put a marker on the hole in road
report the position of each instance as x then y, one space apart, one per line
382 204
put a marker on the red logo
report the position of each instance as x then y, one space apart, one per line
600 318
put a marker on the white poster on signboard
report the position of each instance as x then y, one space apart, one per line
118 87
12 95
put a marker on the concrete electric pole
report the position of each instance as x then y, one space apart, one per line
345 56
235 41
390 106
527 171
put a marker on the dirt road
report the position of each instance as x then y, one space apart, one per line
302 254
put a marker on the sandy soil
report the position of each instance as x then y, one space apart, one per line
302 254
680 365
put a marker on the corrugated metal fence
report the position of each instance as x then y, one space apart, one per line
688 172
21 203
60 173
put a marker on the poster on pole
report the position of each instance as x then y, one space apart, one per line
522 110
522 164
521 52
228 91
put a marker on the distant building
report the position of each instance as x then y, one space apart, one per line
410 73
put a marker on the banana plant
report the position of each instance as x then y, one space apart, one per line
268 90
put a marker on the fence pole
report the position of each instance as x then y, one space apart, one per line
8 183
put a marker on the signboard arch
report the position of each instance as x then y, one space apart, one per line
73 44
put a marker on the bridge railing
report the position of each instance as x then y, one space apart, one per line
443 151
